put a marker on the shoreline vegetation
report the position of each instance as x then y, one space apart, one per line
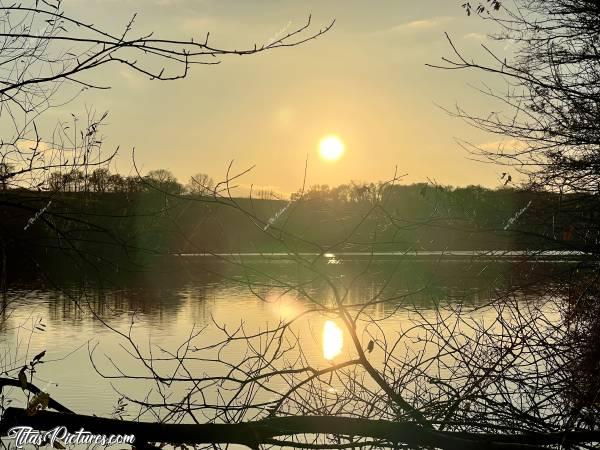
353 218
442 255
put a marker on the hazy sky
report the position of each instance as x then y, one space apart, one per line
365 81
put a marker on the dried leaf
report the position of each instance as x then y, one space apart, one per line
39 356
23 377
39 402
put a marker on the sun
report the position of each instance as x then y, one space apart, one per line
331 148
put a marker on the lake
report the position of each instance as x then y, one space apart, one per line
160 306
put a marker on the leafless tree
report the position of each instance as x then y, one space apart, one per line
547 113
200 184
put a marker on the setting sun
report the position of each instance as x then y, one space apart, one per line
331 148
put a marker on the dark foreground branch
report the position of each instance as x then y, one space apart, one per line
263 431
35 390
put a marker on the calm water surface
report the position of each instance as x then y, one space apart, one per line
161 307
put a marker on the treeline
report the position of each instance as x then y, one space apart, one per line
101 218
432 217
353 192
102 180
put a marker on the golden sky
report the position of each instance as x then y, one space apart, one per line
364 81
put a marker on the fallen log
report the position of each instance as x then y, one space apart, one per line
252 434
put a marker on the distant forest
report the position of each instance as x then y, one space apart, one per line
157 215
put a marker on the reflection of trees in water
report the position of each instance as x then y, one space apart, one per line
416 283
159 295
152 303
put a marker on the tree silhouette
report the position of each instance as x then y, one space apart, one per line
200 184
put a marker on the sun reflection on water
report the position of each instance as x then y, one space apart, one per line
333 340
